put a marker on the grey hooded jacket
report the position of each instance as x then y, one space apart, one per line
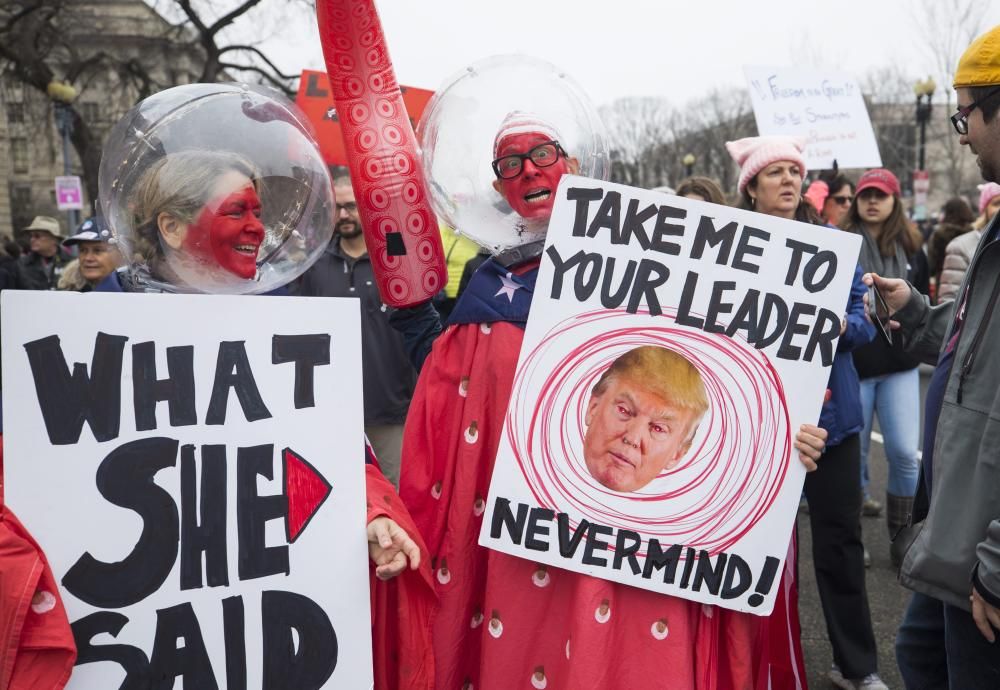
959 540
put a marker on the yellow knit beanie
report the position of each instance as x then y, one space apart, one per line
980 64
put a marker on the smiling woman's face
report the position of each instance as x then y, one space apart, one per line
228 230
777 189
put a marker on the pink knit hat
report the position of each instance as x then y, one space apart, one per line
817 193
753 154
987 193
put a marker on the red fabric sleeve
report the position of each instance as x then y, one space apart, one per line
402 608
37 651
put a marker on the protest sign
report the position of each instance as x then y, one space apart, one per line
678 476
193 467
69 193
316 101
826 108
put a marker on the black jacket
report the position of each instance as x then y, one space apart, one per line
388 377
37 273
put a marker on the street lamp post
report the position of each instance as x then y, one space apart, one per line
924 91
688 162
62 96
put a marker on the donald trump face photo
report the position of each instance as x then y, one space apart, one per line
641 417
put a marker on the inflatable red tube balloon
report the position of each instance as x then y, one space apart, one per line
400 228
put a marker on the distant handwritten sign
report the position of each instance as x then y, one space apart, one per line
824 107
69 193
191 465
316 101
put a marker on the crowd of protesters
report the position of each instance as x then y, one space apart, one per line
953 563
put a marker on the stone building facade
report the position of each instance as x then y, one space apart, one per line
146 53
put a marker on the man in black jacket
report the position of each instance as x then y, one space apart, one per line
41 266
345 270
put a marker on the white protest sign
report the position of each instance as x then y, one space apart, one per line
824 107
611 482
69 193
193 467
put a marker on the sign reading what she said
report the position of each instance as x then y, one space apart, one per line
673 349
193 467
826 108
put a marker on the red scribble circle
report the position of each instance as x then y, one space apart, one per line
341 43
368 38
722 487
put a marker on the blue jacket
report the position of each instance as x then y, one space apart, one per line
841 415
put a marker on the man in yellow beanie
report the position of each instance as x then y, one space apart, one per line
948 636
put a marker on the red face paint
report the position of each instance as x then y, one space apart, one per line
228 232
532 193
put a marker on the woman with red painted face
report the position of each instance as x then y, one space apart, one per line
198 219
502 621
247 219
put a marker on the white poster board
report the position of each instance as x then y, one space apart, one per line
826 108
193 467
625 268
69 193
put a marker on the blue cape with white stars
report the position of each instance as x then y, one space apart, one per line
496 294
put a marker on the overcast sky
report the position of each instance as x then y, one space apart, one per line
616 48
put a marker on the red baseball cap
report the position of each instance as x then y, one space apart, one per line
879 178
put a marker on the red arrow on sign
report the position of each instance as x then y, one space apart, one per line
306 490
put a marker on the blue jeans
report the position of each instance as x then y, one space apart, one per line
939 647
896 398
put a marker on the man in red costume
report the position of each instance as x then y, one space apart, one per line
505 622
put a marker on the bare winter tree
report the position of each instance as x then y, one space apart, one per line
947 27
635 126
47 45
708 123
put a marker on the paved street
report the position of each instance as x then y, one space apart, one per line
885 595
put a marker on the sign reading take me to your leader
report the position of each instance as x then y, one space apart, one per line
193 467
676 471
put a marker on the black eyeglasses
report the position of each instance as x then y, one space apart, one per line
350 207
543 155
842 200
960 120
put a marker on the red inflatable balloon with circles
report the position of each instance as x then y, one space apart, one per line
400 228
